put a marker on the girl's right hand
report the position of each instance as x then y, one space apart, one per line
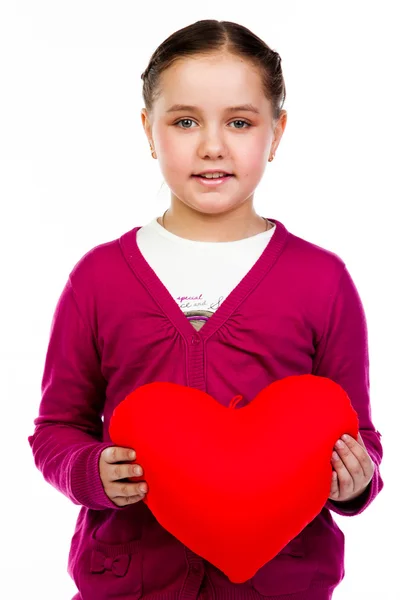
115 467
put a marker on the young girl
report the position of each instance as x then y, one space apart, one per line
211 296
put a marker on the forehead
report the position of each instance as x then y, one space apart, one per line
212 83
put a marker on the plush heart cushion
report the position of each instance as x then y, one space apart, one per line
235 485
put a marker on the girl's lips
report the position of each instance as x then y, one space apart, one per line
212 182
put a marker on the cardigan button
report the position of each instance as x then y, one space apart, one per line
195 340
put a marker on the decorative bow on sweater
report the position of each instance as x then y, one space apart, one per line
117 564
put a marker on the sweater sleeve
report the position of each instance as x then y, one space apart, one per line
342 355
67 440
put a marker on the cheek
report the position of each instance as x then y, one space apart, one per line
252 157
175 157
252 166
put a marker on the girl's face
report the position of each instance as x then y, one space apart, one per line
210 135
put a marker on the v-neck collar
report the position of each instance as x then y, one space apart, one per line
168 304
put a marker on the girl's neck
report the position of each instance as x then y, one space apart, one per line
259 225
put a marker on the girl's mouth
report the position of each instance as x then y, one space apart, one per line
212 181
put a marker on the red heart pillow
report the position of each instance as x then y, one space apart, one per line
236 485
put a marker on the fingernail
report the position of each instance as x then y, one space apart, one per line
143 489
138 470
132 454
345 437
340 444
335 455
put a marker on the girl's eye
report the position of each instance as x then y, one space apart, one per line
191 120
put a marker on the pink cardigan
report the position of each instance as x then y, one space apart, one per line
116 327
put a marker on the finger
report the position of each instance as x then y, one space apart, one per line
127 488
350 461
124 470
345 480
361 455
334 493
360 440
350 441
115 454
125 500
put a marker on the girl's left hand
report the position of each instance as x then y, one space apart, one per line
353 469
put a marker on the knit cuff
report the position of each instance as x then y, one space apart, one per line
86 485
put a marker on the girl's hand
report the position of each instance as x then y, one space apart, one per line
114 472
353 469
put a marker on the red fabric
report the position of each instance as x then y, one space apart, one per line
249 479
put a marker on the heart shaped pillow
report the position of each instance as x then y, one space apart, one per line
235 485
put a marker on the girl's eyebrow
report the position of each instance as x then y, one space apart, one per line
242 107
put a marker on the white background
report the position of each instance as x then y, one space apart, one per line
76 171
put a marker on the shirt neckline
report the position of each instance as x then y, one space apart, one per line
208 246
161 295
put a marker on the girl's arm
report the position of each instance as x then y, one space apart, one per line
67 441
342 355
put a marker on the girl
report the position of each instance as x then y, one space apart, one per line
211 296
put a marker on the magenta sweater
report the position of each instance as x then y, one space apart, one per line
115 328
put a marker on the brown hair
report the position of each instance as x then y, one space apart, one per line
208 37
